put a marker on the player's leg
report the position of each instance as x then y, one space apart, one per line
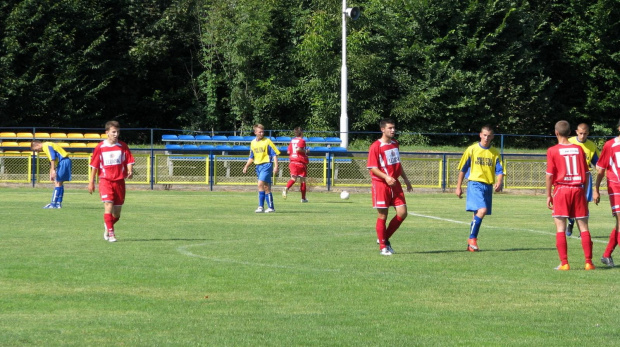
479 200
380 201
586 242
302 181
400 204
63 174
569 226
54 201
108 220
291 182
611 245
560 242
380 227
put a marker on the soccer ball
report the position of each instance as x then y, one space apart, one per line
344 195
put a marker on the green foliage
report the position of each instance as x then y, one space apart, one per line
434 66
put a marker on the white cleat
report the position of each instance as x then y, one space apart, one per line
385 251
284 194
304 200
259 209
270 210
105 232
112 239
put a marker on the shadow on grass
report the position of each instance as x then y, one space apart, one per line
155 240
486 250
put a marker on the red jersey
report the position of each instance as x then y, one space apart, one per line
111 160
567 164
385 157
295 156
610 160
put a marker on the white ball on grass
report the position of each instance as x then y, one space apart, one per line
344 195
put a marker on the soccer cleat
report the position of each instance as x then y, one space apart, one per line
472 245
112 238
386 251
58 205
569 229
608 261
304 200
259 209
590 266
105 232
49 206
564 267
388 245
270 210
284 194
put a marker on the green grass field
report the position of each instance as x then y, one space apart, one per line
202 269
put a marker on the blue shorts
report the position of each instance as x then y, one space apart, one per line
264 172
479 195
63 170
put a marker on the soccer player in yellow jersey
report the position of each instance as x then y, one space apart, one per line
263 153
592 156
60 169
480 164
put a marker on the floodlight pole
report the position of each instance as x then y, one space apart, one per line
344 118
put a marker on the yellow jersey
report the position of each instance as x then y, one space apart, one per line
589 148
263 150
481 164
53 151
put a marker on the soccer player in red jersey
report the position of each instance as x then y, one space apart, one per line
298 163
113 162
568 173
385 169
609 165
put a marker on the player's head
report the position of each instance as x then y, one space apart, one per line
388 128
583 130
112 129
562 128
259 131
298 132
487 133
36 145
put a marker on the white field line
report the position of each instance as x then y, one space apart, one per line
504 228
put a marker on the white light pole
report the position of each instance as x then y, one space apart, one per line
354 14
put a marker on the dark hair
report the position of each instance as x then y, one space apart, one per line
563 128
298 132
488 127
386 121
111 124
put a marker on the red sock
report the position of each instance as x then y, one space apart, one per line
560 244
303 190
381 232
394 224
289 184
115 219
108 219
611 245
586 244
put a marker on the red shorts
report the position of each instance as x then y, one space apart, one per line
384 196
298 169
112 191
570 201
614 196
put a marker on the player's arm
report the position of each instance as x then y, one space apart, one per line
247 164
407 183
596 195
388 179
548 185
91 179
459 182
498 183
275 163
130 170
